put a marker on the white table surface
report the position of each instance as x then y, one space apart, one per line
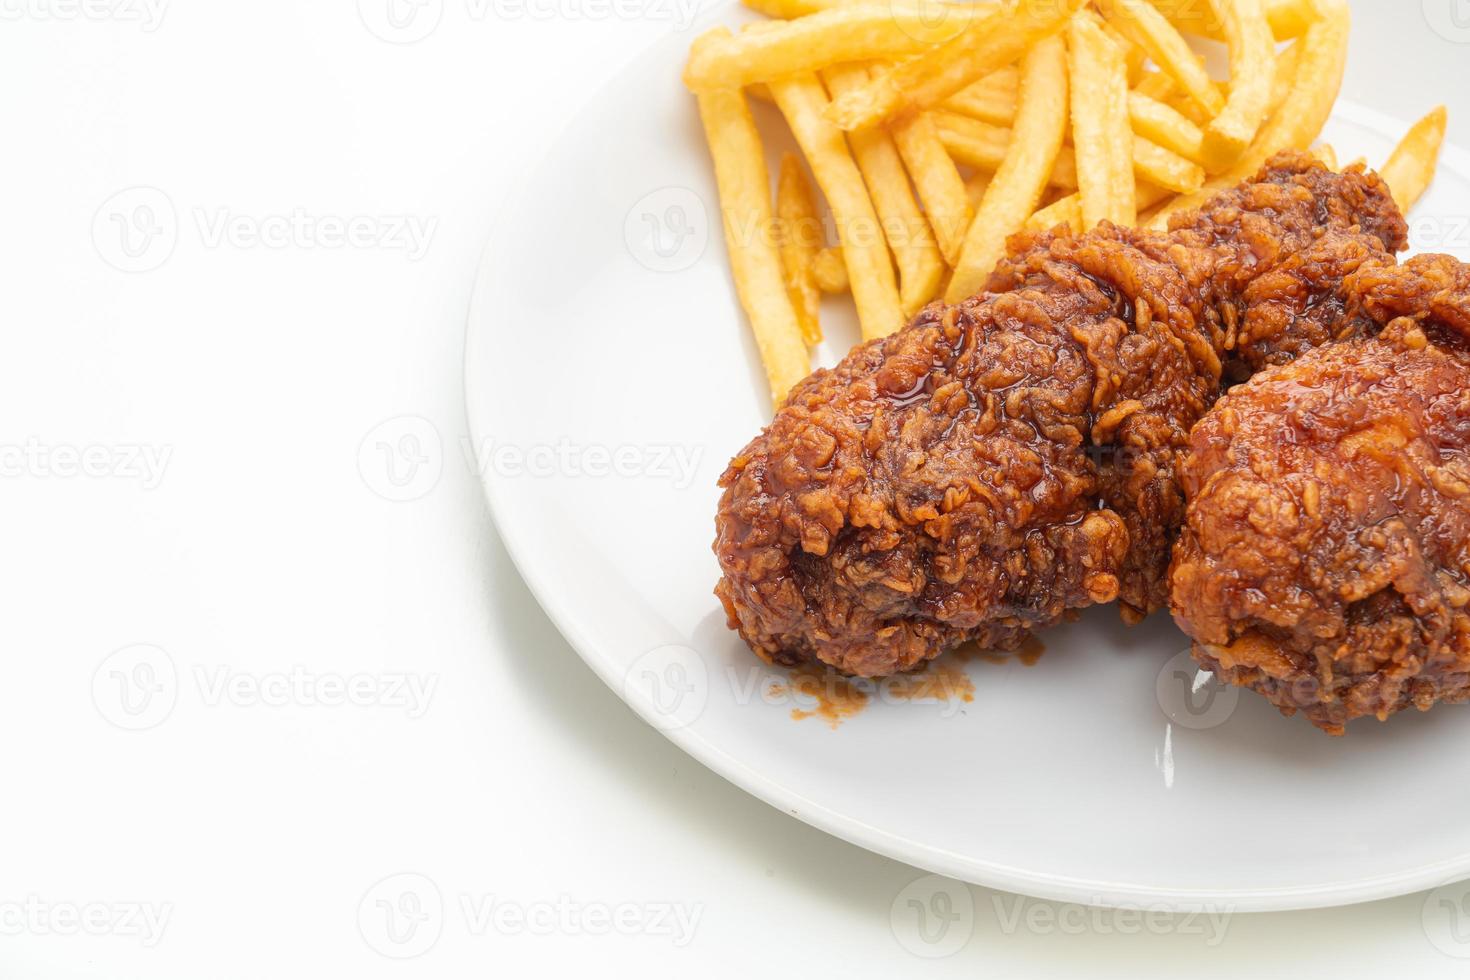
180 453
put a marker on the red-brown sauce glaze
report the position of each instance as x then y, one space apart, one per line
1028 654
834 697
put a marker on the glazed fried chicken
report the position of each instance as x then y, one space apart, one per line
1326 558
1000 464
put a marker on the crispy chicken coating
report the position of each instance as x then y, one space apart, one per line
1325 561
999 464
1263 264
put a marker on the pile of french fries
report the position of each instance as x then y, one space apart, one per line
935 129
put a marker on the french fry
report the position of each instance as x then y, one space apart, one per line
1288 18
1100 131
1304 110
992 99
803 101
855 33
1248 35
1166 168
1166 126
975 189
1152 194
936 180
800 240
972 142
915 250
1325 154
1036 139
830 271
990 42
983 146
1410 168
1068 210
1133 56
1283 74
1161 88
1063 211
792 9
745 204
1151 31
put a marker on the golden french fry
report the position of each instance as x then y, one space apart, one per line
1325 154
1319 62
1166 126
1133 56
991 41
1151 194
1036 139
1151 31
975 189
1306 106
1410 168
1161 88
803 101
745 205
830 271
1100 130
1252 49
915 250
792 9
992 99
801 238
972 142
936 180
983 146
1166 168
1063 211
1068 210
1288 18
854 33
1284 73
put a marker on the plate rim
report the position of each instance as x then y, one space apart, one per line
792 801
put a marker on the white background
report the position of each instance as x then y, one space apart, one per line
231 525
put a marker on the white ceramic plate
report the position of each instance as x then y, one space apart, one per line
610 376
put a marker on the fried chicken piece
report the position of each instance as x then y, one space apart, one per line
999 464
1264 263
1325 562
